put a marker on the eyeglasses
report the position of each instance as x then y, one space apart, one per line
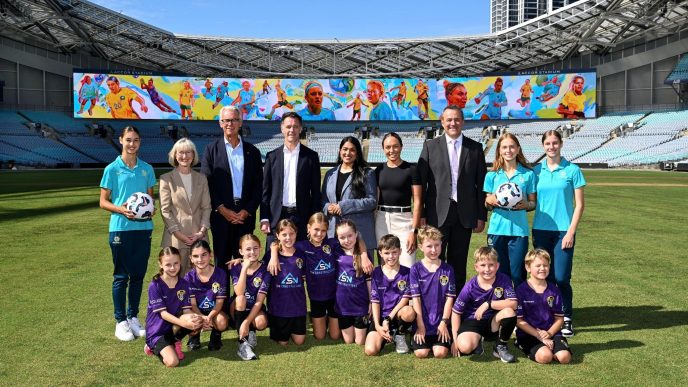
231 121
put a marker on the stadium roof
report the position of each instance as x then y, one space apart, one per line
585 26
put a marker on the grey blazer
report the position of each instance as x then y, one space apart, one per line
360 211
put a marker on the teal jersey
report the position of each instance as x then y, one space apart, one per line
509 222
381 112
122 182
325 115
555 190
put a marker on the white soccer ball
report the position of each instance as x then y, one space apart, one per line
141 204
509 194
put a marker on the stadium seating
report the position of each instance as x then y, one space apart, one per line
680 71
59 121
12 123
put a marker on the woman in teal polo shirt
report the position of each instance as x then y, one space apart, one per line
559 210
130 239
508 229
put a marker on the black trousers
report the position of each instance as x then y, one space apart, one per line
456 240
226 237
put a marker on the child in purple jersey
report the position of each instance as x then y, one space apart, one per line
433 288
540 314
389 300
208 287
486 307
353 285
287 295
247 307
169 316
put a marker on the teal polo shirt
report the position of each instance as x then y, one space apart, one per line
510 222
555 190
122 182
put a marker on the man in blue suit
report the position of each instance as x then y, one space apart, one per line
235 180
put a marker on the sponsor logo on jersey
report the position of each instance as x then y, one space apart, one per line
207 303
498 292
181 294
216 287
345 278
444 280
323 266
550 301
290 280
257 281
401 285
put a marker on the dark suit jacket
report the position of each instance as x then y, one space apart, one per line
307 185
435 173
216 168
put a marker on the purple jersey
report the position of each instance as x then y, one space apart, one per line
472 296
538 309
206 293
352 291
287 296
433 290
253 282
321 273
389 292
162 298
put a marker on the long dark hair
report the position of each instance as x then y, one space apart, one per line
358 178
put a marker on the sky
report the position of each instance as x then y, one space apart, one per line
311 19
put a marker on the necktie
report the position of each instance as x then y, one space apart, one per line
454 165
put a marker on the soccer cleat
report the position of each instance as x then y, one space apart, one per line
567 328
252 339
123 331
147 350
501 351
194 342
479 350
215 342
178 349
400 342
136 327
245 351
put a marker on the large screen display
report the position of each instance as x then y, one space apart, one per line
493 97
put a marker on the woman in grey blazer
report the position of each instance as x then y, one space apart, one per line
184 201
349 191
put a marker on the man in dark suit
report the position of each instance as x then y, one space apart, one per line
291 183
452 169
235 179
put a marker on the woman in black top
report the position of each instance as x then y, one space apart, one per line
397 183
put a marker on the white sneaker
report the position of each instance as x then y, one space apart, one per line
123 331
252 339
136 327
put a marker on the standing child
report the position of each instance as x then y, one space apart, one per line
169 316
433 288
287 296
208 286
485 308
540 314
249 281
353 285
508 229
389 299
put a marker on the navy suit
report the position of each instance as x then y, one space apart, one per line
215 166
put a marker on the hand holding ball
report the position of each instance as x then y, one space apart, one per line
509 195
141 204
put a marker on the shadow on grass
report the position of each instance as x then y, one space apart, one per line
580 350
627 318
40 212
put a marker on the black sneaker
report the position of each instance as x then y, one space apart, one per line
194 342
501 351
567 328
479 350
215 342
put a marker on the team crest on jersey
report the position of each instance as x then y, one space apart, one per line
181 294
122 97
216 287
562 174
299 263
257 281
401 285
550 301
444 280
144 173
498 292
326 249
521 179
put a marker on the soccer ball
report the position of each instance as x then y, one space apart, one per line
141 204
509 194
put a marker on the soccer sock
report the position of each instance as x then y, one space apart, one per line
506 328
179 335
240 316
403 327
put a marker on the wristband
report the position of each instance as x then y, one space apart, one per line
445 321
489 303
389 320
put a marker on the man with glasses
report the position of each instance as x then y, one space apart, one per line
235 181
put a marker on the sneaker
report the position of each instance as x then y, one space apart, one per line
252 339
245 351
215 342
400 342
136 327
479 350
501 351
194 342
123 331
178 349
567 328
147 350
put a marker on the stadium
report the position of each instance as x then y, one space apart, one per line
631 139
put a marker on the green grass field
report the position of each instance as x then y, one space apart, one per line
631 308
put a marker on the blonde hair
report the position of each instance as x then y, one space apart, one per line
318 218
499 161
181 145
535 254
485 253
248 237
429 232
